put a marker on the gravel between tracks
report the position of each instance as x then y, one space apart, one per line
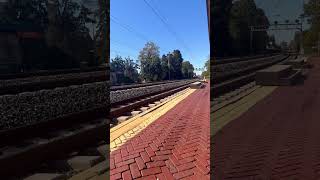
122 95
31 107
18 85
220 70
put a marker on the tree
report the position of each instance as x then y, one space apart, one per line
124 70
176 63
67 40
164 67
102 34
150 62
311 35
244 14
220 12
130 70
171 65
117 65
206 72
25 11
187 69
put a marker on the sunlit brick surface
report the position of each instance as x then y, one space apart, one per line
276 139
175 146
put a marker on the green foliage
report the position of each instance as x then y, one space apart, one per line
187 70
220 12
152 67
171 65
102 34
244 14
311 36
206 72
125 70
117 65
71 15
150 62
231 27
164 67
175 62
25 11
63 47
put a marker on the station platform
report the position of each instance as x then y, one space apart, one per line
170 141
175 145
273 133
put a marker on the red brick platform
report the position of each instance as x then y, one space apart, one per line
176 146
279 138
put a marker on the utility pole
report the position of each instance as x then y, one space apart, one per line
94 45
301 35
169 68
318 43
251 39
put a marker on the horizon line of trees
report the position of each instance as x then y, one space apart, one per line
231 28
150 66
66 40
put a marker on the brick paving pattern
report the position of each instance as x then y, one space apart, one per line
176 146
276 139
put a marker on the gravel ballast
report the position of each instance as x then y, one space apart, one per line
31 107
123 95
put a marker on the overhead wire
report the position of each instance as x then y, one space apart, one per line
131 29
123 44
168 27
128 28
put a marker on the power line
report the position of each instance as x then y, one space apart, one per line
119 47
128 28
117 52
155 7
123 44
168 27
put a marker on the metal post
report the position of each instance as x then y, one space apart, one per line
94 46
169 67
301 35
301 39
318 43
251 39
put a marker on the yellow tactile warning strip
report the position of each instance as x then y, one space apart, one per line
126 130
232 111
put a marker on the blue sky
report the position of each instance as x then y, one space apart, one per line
188 20
281 10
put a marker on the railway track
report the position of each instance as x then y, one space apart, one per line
239 59
26 149
39 82
130 86
227 82
137 103
68 144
